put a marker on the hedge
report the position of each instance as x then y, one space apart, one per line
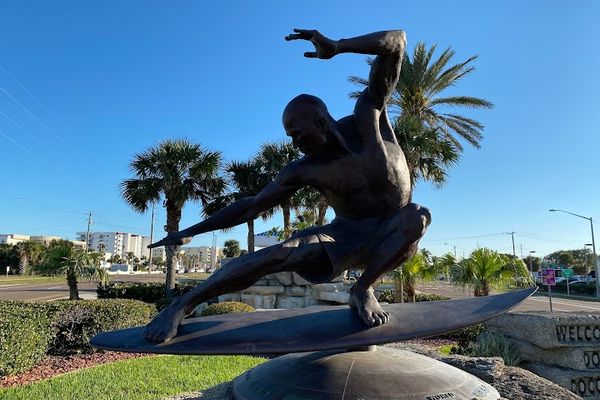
227 307
30 330
388 296
74 323
24 336
148 292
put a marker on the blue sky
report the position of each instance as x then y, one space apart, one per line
86 85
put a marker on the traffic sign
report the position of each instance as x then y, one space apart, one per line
567 272
548 276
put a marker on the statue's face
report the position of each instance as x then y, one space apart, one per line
307 130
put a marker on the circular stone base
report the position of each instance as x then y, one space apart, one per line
382 373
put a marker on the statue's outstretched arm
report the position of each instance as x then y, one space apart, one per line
243 210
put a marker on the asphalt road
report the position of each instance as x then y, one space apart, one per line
533 303
55 291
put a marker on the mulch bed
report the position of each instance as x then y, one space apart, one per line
56 365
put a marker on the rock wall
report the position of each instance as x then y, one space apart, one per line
290 290
561 347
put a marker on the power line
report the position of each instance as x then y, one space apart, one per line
32 115
23 130
29 93
19 145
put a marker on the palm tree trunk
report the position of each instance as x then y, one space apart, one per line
173 218
321 210
286 220
410 289
250 236
73 289
23 263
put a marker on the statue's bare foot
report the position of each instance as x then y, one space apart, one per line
367 306
164 326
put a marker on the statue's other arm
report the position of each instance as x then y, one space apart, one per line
388 46
243 210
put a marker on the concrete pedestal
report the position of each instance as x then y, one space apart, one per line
377 374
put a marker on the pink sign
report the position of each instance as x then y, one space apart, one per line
548 276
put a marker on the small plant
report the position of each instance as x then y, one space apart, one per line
227 307
448 349
496 345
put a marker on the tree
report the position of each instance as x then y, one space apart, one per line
486 269
62 258
420 266
429 153
248 180
30 253
271 158
580 259
9 257
418 102
232 248
175 171
308 199
534 261
445 263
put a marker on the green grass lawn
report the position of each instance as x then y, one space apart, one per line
28 280
137 379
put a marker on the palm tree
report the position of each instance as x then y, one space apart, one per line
271 158
176 171
248 180
232 248
418 97
429 154
62 258
309 199
486 269
30 252
418 267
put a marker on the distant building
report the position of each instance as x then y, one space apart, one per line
119 243
204 253
13 238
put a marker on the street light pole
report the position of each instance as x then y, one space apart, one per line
448 244
595 265
530 267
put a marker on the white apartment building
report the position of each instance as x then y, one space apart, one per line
119 243
203 254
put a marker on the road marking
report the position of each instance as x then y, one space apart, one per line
54 287
48 298
554 301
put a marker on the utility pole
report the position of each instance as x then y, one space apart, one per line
87 235
512 234
151 239
213 252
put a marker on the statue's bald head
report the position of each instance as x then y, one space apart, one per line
306 106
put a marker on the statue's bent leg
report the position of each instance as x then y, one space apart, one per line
238 274
397 246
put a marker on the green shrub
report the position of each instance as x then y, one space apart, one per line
587 289
24 336
389 296
148 292
74 323
429 297
496 345
227 307
464 337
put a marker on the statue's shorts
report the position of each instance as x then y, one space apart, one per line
354 243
